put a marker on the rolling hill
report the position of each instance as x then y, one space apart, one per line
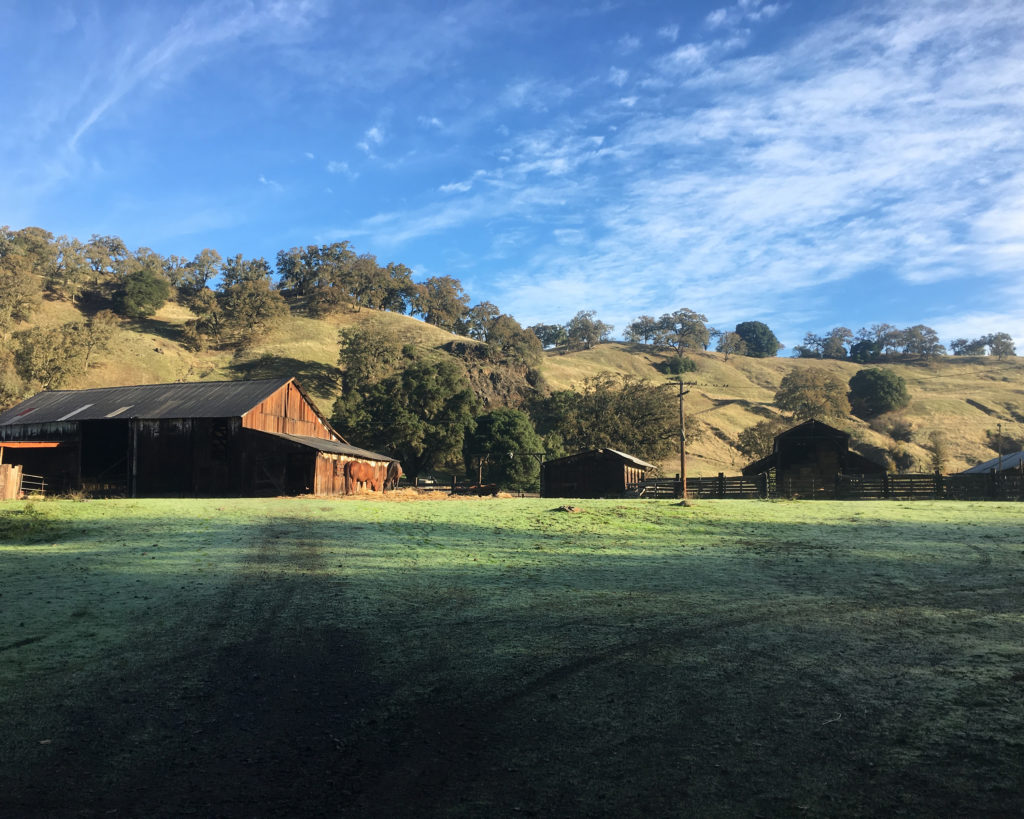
961 397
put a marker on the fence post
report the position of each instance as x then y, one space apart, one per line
721 484
885 484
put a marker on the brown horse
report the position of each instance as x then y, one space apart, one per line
359 472
393 474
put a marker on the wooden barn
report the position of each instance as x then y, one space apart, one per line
245 438
597 473
808 458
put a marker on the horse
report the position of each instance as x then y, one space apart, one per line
358 472
393 474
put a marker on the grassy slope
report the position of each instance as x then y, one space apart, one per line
732 395
727 395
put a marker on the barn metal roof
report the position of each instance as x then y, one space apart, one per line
1011 461
632 459
323 445
196 399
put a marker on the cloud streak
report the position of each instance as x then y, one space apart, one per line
874 148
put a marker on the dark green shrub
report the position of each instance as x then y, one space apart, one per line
874 391
677 365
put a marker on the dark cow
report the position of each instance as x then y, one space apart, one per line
394 473
358 472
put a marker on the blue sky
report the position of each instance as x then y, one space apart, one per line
806 164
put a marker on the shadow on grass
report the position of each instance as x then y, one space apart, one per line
155 327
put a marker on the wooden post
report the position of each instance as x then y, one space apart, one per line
682 440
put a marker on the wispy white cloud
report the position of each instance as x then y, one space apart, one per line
854 155
341 167
717 18
618 76
115 60
627 44
270 183
194 38
373 137
670 32
743 12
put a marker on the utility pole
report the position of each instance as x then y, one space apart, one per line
999 444
682 439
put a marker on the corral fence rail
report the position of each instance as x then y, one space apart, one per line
33 484
721 486
1005 486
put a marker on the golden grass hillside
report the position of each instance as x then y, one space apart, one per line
961 397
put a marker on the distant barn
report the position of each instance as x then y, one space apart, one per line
808 458
246 438
597 473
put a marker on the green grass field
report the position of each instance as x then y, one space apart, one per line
491 657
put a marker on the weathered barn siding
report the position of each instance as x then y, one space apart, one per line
288 411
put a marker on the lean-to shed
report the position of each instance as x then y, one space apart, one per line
596 473
245 438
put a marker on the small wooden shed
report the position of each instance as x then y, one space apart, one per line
810 456
247 438
596 473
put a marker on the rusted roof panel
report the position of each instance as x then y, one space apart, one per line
198 399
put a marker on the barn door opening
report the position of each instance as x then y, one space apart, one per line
105 447
299 473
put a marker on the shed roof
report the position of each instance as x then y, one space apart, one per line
812 429
196 399
323 445
1011 461
623 456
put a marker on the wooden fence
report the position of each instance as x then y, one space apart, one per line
1007 486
